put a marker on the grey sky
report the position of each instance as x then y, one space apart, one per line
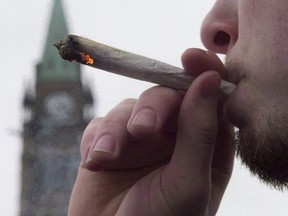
160 29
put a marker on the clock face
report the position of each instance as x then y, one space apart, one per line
60 106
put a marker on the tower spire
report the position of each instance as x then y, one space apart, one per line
52 67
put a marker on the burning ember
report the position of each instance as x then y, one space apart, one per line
87 58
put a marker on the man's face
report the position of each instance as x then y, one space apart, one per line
254 36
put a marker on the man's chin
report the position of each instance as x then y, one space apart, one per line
265 154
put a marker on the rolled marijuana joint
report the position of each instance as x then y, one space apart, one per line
88 52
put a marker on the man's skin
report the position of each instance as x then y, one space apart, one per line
170 153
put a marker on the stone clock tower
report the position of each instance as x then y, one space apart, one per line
57 109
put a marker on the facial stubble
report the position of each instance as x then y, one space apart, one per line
262 146
265 154
264 150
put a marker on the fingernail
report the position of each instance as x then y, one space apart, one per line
105 144
145 117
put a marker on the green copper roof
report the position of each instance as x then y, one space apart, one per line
53 67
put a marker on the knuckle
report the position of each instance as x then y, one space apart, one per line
195 196
206 134
128 102
96 121
91 130
159 92
109 124
93 125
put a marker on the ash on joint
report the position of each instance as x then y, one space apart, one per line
66 48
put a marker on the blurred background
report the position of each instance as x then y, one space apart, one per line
160 29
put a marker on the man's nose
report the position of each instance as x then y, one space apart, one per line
219 31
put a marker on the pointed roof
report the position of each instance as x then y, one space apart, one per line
58 27
53 67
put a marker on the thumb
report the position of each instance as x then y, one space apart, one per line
198 123
190 165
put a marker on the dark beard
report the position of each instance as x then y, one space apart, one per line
266 154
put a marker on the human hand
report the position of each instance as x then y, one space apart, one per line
176 158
